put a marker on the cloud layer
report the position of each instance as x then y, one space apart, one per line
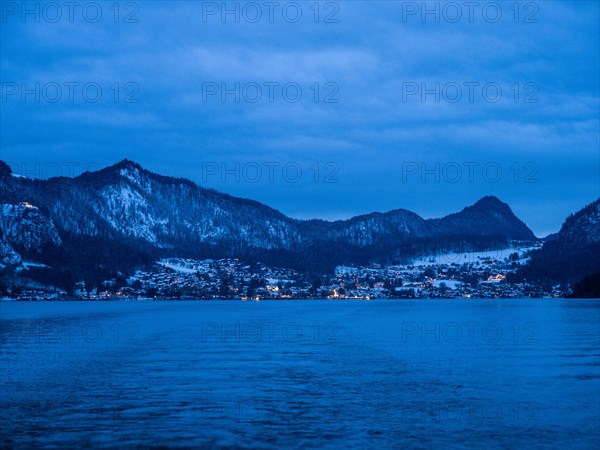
364 106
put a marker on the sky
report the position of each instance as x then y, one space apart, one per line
318 109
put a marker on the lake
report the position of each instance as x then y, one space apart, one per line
295 374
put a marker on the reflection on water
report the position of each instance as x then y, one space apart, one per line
294 374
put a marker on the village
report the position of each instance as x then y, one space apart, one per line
454 275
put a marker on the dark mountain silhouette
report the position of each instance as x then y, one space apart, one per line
571 254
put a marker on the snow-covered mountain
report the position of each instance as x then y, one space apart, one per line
25 232
9 258
124 215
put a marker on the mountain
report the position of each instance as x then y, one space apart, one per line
27 230
497 217
124 216
588 287
571 254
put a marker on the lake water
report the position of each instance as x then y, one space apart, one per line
296 374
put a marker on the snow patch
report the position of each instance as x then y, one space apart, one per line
176 267
472 257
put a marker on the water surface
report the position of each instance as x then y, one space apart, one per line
296 374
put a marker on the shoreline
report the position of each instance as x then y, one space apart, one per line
79 300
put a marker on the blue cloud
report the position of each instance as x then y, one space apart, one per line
356 151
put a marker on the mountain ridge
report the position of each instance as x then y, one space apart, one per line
131 212
487 202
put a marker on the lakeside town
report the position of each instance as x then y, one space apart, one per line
451 275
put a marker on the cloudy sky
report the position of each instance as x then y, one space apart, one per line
326 110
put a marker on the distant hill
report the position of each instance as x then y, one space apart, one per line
571 254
